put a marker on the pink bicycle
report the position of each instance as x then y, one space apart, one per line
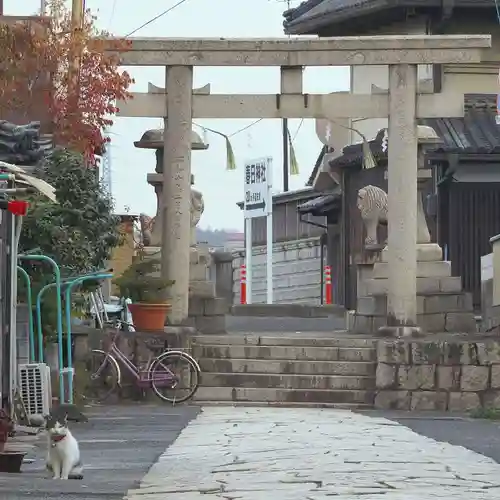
172 370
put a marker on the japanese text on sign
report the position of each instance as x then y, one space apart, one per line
255 173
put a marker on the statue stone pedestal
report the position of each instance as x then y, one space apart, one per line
442 305
206 311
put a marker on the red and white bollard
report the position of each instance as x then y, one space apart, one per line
328 285
243 284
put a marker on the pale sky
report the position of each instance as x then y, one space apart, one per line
206 18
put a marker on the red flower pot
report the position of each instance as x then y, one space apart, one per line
149 317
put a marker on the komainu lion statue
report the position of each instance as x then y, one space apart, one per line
146 223
372 203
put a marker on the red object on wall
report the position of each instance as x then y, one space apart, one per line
15 207
243 284
18 207
328 285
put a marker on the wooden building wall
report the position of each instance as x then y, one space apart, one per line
469 216
287 223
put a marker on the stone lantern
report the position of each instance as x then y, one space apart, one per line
153 139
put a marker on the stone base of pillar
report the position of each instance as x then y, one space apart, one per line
207 312
442 305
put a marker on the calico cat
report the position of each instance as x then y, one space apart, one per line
63 454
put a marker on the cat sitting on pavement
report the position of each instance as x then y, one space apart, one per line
63 454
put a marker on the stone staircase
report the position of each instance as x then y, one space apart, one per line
288 370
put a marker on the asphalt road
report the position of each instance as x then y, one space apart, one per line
481 436
118 445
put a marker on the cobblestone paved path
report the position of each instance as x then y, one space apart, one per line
313 454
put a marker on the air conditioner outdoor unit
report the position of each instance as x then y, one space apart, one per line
35 388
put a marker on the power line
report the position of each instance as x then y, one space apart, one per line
170 9
245 128
233 133
111 17
298 129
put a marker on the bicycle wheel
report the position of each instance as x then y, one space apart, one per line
102 376
173 371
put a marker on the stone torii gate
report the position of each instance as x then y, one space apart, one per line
179 105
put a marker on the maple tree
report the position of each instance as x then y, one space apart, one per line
37 68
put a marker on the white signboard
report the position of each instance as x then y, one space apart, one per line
258 184
258 202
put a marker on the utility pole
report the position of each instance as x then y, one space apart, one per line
284 124
77 25
43 7
285 154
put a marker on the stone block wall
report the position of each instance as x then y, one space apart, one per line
296 273
452 374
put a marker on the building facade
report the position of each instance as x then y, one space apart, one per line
463 197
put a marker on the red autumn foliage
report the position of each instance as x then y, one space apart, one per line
36 73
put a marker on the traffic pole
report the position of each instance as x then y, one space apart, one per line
328 285
243 284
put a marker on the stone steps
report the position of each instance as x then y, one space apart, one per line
287 381
288 404
290 369
320 339
295 353
262 366
283 396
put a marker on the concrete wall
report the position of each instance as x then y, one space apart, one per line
364 78
490 287
296 273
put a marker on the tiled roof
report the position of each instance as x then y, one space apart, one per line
321 204
303 8
23 144
314 15
319 160
324 12
475 133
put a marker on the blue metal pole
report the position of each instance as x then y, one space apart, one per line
57 274
69 288
29 299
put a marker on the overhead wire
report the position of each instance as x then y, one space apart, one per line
153 19
112 15
298 129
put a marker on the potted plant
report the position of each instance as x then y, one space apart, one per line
6 427
10 460
148 292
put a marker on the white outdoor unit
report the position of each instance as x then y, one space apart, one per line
35 388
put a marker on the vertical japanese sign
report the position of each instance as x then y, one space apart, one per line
258 202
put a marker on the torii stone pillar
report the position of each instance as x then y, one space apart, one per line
176 233
402 198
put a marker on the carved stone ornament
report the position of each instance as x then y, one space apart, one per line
372 203
146 223
197 209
